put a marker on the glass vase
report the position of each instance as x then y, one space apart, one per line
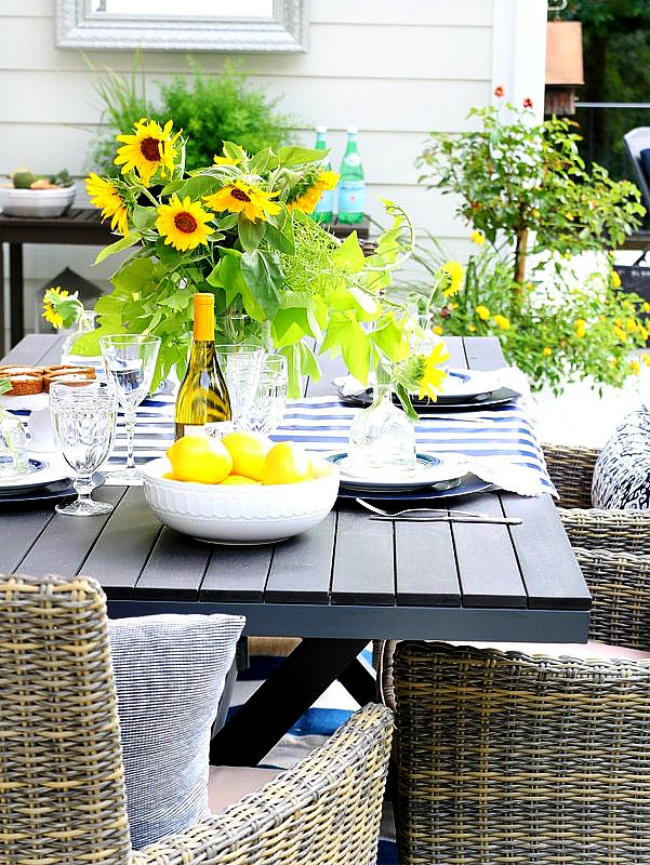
84 324
382 439
13 445
238 328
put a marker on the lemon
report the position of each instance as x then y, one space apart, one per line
248 451
286 463
239 480
200 460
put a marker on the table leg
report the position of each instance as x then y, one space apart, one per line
3 348
359 682
283 698
16 287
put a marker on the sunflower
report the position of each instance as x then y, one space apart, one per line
183 223
60 307
307 199
225 160
106 196
239 196
433 376
149 149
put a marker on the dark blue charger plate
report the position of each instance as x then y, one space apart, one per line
494 399
468 485
48 493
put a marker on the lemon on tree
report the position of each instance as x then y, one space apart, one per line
199 459
286 463
248 452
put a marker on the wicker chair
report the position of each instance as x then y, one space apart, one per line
62 799
505 758
571 470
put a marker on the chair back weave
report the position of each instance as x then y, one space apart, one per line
62 799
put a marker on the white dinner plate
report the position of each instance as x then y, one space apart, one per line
467 384
432 471
44 471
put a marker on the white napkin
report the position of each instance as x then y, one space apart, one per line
508 476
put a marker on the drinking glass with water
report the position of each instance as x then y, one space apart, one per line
130 362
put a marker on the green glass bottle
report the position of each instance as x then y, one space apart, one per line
203 401
352 187
324 210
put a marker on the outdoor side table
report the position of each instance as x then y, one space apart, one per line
338 586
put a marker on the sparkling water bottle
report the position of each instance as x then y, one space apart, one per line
352 188
324 210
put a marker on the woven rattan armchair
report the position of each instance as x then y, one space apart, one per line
572 470
505 758
62 799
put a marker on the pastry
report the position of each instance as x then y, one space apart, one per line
73 379
24 385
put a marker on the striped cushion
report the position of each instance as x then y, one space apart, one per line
170 672
622 472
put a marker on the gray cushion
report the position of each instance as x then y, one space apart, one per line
169 673
622 472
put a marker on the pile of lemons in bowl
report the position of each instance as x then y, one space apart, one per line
241 489
238 458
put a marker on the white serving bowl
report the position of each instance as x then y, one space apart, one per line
246 514
36 202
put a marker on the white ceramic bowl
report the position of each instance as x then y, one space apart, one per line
246 514
36 202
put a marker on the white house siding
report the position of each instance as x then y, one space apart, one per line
395 70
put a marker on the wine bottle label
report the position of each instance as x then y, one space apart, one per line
326 202
352 196
214 430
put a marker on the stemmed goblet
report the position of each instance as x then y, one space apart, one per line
130 362
83 420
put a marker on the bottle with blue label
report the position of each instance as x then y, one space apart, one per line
352 187
324 210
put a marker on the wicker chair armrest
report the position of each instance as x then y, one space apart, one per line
571 469
329 804
622 531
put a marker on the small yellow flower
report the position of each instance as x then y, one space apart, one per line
433 376
149 149
437 329
239 196
616 279
620 333
547 351
631 325
225 160
453 271
477 237
471 328
618 322
581 328
644 333
628 305
646 307
645 359
483 312
635 366
502 322
535 214
183 223
106 196
613 361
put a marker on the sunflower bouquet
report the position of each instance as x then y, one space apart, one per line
241 229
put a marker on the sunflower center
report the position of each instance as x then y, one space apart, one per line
185 222
150 150
239 194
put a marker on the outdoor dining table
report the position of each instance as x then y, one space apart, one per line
340 585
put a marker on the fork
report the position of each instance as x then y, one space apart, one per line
438 515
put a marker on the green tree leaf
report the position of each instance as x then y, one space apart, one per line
264 278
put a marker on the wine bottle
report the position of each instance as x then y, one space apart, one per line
324 210
202 404
352 187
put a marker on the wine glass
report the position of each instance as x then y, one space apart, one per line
269 403
130 362
241 366
83 420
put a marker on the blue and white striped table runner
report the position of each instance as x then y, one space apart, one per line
322 424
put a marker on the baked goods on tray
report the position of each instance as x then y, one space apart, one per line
28 380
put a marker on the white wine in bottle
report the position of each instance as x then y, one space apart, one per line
202 404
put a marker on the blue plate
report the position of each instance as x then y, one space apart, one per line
423 480
46 494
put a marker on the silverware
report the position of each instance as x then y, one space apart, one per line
443 511
451 518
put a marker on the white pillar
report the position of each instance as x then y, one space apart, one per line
519 51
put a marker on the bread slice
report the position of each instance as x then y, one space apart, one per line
56 371
24 385
72 379
9 371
